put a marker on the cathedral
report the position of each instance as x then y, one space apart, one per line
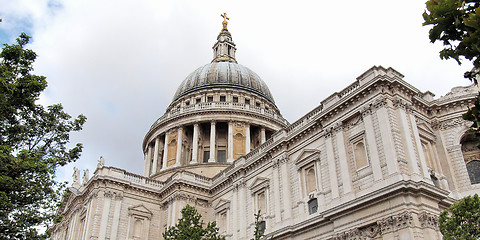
377 160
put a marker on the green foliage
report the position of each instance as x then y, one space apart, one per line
259 230
473 115
32 146
462 221
457 24
190 227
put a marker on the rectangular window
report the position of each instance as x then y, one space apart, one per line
262 227
312 206
235 99
210 99
222 156
198 100
247 101
206 156
223 98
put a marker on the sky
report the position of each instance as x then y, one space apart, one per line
119 62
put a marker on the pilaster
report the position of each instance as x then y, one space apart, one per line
372 144
332 168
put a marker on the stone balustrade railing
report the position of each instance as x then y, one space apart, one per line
205 106
127 176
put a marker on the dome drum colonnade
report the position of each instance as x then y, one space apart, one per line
220 112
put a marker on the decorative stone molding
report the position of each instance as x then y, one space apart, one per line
353 122
366 110
379 102
368 232
450 123
258 184
396 222
306 157
282 159
400 103
429 220
194 200
140 210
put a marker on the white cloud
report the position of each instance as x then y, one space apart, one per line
119 62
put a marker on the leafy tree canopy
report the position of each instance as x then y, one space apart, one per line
190 227
462 221
456 24
33 141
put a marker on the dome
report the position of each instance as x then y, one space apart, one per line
223 75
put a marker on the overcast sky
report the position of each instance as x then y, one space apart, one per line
119 62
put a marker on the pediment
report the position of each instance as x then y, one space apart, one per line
307 156
221 205
140 210
425 130
259 183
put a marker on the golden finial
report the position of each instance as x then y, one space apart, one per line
225 18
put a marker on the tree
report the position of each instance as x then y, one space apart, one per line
190 227
457 24
33 141
462 220
259 232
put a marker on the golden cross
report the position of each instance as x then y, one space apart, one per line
225 18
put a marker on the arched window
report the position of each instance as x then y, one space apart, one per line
261 203
471 155
137 229
360 154
310 180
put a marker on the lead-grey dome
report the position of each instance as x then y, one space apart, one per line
223 75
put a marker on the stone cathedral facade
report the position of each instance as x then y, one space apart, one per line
377 160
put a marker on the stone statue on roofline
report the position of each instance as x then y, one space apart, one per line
101 162
76 177
85 176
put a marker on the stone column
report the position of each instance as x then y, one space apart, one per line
107 198
332 168
372 145
212 141
195 143
287 200
387 141
320 190
247 138
421 155
165 152
230 142
410 148
147 166
276 192
242 212
342 157
178 158
116 217
263 138
155 155
89 216
234 218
